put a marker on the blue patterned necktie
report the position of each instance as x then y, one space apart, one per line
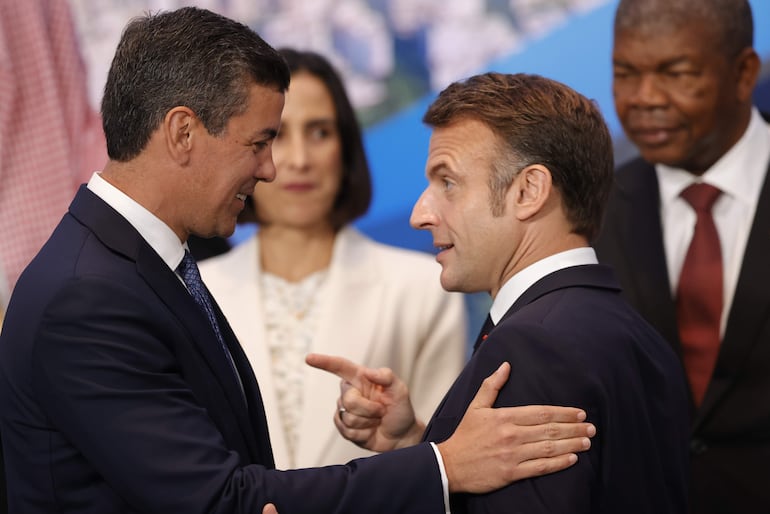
188 270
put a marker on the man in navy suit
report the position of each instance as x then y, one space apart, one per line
684 74
519 169
122 387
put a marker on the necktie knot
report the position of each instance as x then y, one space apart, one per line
701 196
188 270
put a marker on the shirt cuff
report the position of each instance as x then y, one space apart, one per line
444 479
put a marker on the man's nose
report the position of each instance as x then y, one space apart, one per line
423 215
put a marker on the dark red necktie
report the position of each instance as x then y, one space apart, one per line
699 296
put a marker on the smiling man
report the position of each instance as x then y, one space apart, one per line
687 222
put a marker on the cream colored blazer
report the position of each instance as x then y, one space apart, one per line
382 306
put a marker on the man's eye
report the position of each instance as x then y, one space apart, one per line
680 74
621 74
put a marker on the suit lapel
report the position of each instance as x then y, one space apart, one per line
588 275
259 439
238 294
597 276
750 308
116 233
642 240
349 288
173 293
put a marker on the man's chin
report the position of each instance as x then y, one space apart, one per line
447 284
668 155
453 286
222 231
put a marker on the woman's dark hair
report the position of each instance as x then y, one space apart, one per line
355 192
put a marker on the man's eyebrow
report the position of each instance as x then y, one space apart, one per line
679 59
440 167
268 133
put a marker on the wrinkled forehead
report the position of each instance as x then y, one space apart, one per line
665 40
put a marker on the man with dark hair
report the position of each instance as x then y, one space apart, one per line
687 227
519 168
122 387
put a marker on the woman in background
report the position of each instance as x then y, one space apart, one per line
310 282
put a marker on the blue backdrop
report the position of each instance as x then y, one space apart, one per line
578 54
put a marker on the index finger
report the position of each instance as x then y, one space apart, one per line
340 366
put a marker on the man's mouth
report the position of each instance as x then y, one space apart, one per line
241 197
652 136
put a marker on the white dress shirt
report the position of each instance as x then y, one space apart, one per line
157 234
523 280
739 174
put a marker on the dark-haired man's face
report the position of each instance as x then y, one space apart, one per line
225 168
676 95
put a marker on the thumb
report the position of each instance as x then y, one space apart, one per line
490 387
381 376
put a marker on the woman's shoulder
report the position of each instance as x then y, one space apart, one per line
406 260
230 265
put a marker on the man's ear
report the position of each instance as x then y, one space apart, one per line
531 190
179 125
748 67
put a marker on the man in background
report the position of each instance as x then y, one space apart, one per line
687 227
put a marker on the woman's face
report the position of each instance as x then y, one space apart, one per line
308 159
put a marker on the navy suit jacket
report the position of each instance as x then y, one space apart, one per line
115 397
730 435
572 340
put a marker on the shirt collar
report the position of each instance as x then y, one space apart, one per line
750 155
157 234
524 279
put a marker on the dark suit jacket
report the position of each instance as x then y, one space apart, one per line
730 438
572 340
115 397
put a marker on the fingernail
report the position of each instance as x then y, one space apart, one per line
581 415
586 443
591 430
572 458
